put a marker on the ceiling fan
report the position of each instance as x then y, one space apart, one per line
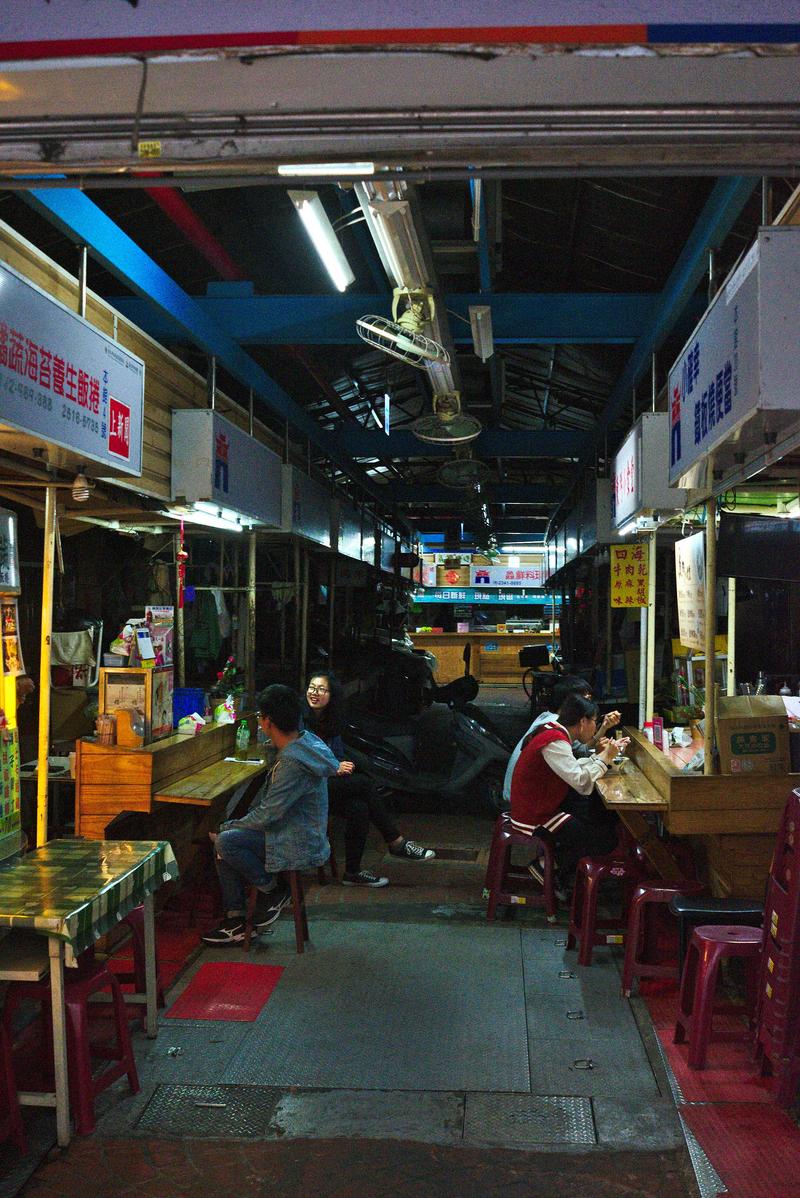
446 424
463 471
402 336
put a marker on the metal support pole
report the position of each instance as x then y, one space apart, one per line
44 664
250 637
83 270
711 628
642 666
652 631
712 275
180 635
609 636
304 625
766 200
211 382
653 380
731 688
331 608
298 599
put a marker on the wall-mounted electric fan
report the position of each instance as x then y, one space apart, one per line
402 336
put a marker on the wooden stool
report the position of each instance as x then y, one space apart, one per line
321 876
707 948
298 909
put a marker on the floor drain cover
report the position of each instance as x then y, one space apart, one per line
529 1119
210 1112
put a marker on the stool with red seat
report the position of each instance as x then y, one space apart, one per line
709 946
640 938
585 927
135 921
507 885
80 984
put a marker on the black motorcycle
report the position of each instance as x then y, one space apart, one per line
426 745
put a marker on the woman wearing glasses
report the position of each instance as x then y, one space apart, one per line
351 795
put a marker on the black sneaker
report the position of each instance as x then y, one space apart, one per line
276 901
364 878
230 931
413 851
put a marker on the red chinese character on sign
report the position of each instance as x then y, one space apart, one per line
45 367
59 375
71 383
94 395
509 573
630 570
642 569
637 553
119 428
83 389
16 352
3 343
32 364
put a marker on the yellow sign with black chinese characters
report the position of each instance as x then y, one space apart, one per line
630 570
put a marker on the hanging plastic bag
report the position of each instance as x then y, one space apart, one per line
225 713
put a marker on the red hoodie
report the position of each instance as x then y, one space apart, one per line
536 791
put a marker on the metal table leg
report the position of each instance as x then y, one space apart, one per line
151 1019
56 951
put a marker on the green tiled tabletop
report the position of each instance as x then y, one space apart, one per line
77 890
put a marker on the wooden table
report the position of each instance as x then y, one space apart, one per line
73 892
494 656
633 798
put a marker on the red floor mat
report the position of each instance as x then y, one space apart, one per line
755 1149
229 991
731 1074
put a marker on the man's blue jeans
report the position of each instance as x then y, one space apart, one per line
240 864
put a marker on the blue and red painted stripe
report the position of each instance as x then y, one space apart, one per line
775 33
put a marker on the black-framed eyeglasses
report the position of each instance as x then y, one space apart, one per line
317 690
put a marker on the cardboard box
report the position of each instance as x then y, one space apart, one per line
752 735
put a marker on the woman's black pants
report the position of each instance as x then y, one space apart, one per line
353 797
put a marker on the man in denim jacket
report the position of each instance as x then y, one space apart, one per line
285 828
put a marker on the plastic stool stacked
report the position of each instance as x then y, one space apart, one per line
585 927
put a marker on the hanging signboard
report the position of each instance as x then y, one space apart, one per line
10 823
475 595
12 648
63 380
690 581
215 461
9 556
507 576
629 575
639 474
733 390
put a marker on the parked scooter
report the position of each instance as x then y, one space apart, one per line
416 740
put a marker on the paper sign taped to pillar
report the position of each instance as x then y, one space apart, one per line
690 583
630 575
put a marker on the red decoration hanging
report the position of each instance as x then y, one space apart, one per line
181 558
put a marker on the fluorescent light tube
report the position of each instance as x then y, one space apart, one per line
326 243
208 519
480 319
312 170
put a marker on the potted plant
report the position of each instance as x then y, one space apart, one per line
230 683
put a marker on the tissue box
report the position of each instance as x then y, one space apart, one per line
752 735
190 725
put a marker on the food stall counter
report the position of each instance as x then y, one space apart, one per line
494 656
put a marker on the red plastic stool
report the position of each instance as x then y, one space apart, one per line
10 1117
641 932
511 885
584 926
708 946
135 921
89 978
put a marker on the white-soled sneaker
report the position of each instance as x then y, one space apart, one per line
413 851
364 878
230 931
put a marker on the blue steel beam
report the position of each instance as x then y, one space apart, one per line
509 493
517 318
80 219
492 443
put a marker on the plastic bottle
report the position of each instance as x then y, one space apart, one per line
785 690
242 738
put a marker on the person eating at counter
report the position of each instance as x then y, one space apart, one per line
553 789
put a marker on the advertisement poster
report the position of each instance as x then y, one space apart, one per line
506 576
9 793
12 650
630 573
9 559
690 581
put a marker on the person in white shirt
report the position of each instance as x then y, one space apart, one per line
570 684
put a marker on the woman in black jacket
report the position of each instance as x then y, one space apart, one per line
352 795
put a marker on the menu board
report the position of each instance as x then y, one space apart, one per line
630 574
690 581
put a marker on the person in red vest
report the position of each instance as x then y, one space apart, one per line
552 788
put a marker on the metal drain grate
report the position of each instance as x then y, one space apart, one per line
446 854
529 1119
210 1112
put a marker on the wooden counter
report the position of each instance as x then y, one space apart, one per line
494 655
731 818
180 784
